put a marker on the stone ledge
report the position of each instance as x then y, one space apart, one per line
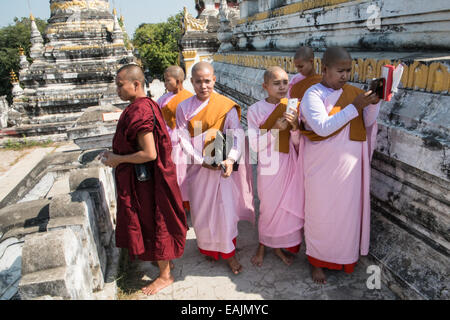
51 162
54 251
414 204
91 132
415 271
421 73
88 212
62 266
378 25
291 9
21 219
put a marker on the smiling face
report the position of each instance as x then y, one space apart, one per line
203 81
337 74
276 85
304 66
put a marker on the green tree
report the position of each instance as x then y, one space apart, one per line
11 38
157 44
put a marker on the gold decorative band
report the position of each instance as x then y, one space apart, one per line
80 26
72 48
292 8
189 54
433 77
81 4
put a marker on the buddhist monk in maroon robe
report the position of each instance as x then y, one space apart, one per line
151 222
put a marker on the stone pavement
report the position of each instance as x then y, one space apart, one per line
199 279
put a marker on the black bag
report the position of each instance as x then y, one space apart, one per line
142 173
141 169
222 147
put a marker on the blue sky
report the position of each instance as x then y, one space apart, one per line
135 12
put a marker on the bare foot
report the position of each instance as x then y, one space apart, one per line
257 259
170 263
157 285
234 264
318 275
283 257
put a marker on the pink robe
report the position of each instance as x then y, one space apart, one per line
178 157
336 180
217 203
279 181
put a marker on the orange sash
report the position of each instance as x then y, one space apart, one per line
298 90
357 127
212 117
169 111
282 144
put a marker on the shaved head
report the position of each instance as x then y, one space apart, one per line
334 55
304 53
270 73
175 72
202 65
132 72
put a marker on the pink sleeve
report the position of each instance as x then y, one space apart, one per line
185 137
165 99
371 113
313 110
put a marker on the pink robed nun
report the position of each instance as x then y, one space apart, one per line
178 156
336 180
217 203
279 180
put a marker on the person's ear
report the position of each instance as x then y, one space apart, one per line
264 85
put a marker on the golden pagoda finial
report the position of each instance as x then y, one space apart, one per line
21 51
13 77
121 18
31 17
115 12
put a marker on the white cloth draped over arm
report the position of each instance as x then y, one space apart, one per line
185 137
314 112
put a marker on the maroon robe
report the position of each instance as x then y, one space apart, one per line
151 222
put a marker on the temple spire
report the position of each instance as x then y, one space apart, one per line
37 43
24 64
13 77
117 30
17 89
